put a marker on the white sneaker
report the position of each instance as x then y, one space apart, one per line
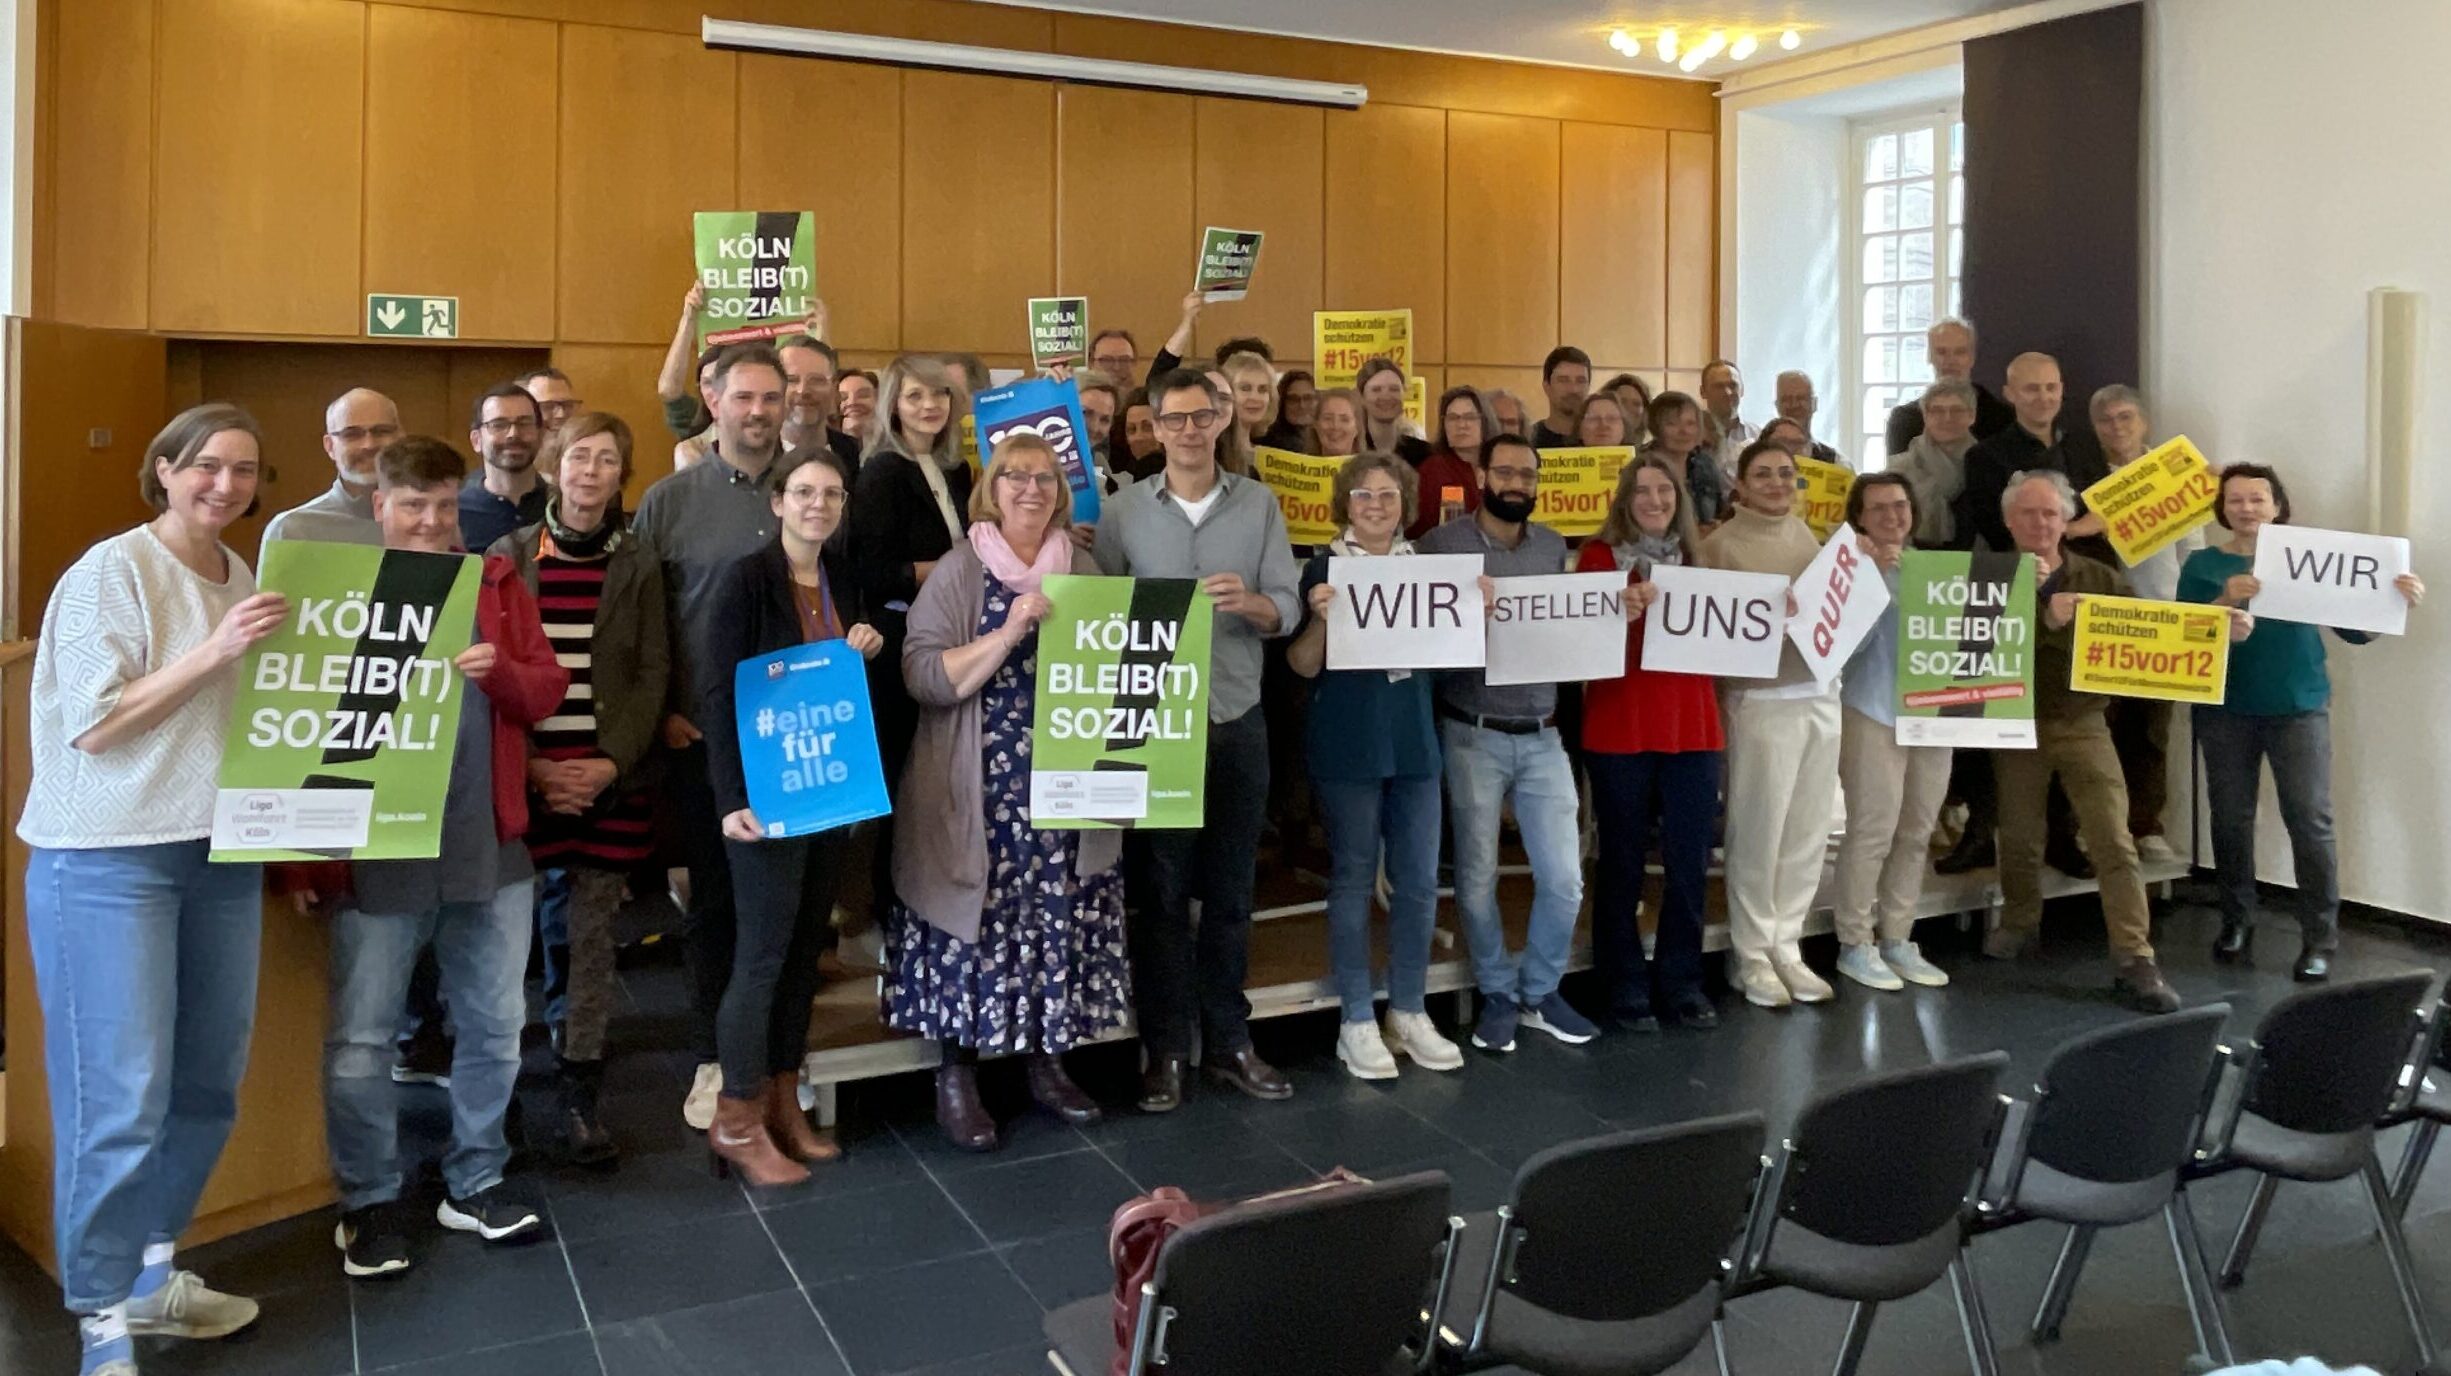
1364 1051
1799 978
1762 986
1906 960
2155 850
1418 1037
185 1307
698 1110
1864 965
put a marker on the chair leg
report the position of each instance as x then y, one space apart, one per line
2403 1274
1859 1328
2412 1164
1719 1345
2234 1266
2203 1301
1971 1320
2062 1286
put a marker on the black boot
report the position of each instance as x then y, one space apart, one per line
2236 942
583 1133
1973 851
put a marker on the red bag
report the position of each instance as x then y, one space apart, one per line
1138 1232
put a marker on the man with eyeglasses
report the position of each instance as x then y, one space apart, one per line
1115 355
1194 520
810 367
555 397
1502 745
356 427
505 493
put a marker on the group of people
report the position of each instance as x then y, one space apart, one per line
811 504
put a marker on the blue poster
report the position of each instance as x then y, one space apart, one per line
808 745
1053 409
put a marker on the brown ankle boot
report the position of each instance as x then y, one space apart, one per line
966 1122
1055 1091
793 1135
739 1142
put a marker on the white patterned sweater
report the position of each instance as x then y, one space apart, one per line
125 609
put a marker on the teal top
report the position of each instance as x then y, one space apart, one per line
2277 671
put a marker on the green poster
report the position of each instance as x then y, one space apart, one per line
340 742
1120 736
1966 650
1059 330
1229 259
759 268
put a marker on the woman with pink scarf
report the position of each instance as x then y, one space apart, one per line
1006 940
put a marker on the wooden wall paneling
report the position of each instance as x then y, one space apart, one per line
97 217
25 1113
1613 241
462 165
1502 237
620 378
71 382
1386 241
978 209
1693 218
1117 149
647 140
827 137
1522 381
467 373
257 168
1258 167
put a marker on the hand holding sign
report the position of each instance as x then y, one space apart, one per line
2330 578
1839 600
1712 621
249 621
1418 611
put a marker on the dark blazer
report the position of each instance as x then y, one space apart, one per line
893 525
631 655
1991 416
751 613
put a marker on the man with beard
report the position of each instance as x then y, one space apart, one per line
356 427
1502 744
810 366
701 521
506 494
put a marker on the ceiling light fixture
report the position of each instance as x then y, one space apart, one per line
1623 42
1668 45
1711 46
1791 40
1742 48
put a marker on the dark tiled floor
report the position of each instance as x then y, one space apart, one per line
913 1258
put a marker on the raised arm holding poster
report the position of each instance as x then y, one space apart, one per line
1304 485
808 744
1229 259
1342 341
1557 628
1419 612
1714 621
1059 330
1839 600
1120 736
2147 504
759 269
1576 486
2331 578
1821 494
341 737
1051 410
2127 647
1966 649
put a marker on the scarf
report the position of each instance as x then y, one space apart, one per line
1054 556
570 544
1937 472
1645 552
1345 546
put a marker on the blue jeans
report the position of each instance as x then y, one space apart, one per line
481 950
1363 814
1628 793
2300 748
1485 769
145 960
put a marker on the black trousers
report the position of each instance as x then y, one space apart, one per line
1179 972
785 895
708 929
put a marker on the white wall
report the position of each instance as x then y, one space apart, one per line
2288 171
1787 261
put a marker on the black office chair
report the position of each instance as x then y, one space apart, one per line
1331 1282
1869 1198
2324 1068
2426 1102
2106 1141
1609 1257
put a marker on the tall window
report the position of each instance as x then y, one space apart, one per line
1910 181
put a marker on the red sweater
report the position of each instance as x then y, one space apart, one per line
1438 472
1645 711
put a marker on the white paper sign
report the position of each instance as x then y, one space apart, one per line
1557 628
1711 621
1414 611
1839 600
2331 578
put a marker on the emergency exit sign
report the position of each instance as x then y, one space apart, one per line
413 317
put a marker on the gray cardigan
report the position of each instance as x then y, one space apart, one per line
940 817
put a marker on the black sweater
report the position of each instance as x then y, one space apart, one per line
753 612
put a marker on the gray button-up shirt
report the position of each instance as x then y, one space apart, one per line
1541 550
332 516
700 521
1144 532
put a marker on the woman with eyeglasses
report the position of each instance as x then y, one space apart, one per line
1464 420
1601 424
795 591
1008 939
1297 403
1382 386
1634 398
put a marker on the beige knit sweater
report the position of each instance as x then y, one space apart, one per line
1749 542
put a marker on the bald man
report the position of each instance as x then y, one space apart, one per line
356 426
1949 347
2033 444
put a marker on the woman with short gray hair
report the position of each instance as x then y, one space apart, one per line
1934 462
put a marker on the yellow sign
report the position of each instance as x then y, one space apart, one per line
970 439
1576 486
1304 486
2149 503
2127 647
1821 494
1417 402
1342 341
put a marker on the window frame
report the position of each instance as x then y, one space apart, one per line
1946 122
